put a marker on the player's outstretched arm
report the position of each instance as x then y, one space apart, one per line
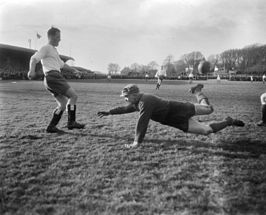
119 110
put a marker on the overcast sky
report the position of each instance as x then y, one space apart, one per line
99 32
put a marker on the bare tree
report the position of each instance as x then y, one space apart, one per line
193 59
113 68
180 67
135 67
168 60
125 71
153 65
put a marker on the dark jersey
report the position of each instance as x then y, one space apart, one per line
159 110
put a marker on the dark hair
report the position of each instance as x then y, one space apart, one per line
52 31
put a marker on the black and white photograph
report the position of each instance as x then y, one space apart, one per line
132 107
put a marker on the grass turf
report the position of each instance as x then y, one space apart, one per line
90 172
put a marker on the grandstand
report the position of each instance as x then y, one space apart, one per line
14 62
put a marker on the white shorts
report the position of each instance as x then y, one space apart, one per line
263 99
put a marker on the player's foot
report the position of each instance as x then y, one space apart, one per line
74 124
196 88
132 145
53 129
261 123
234 122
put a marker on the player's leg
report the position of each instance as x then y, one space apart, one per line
196 127
200 96
263 110
71 109
203 109
158 84
57 114
203 106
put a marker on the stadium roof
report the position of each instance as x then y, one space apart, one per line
25 51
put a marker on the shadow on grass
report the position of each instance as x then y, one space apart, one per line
241 148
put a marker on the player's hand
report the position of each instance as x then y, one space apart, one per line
132 145
31 75
103 113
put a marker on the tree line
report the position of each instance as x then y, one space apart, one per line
250 60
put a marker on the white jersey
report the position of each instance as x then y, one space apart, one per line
161 73
49 57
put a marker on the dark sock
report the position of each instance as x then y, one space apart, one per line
72 124
71 109
56 117
217 126
263 111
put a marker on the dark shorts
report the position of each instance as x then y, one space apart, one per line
179 115
56 83
161 77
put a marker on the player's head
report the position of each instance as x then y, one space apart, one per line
130 92
54 36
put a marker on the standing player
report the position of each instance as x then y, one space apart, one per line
218 79
190 77
263 110
54 82
171 113
109 77
146 77
251 78
160 75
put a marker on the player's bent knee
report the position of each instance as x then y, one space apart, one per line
203 109
74 98
210 109
61 107
207 131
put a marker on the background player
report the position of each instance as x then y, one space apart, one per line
160 75
263 110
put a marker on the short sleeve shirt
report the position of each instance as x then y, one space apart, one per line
49 57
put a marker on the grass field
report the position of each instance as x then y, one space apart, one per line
90 171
